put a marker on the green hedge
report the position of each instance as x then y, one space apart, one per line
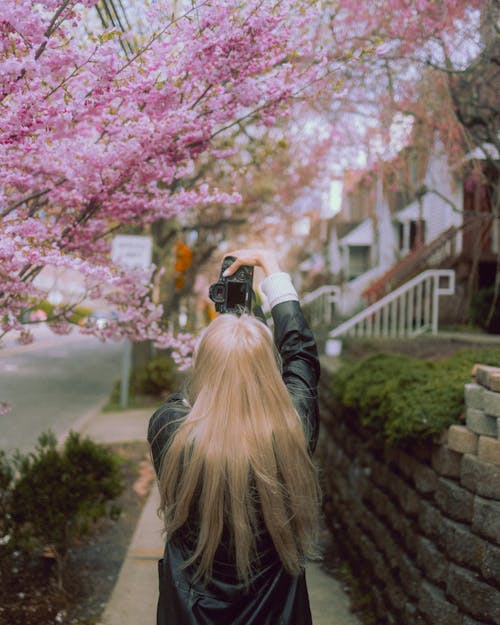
401 398
157 378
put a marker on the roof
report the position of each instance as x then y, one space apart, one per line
362 234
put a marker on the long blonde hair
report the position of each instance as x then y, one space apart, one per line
240 455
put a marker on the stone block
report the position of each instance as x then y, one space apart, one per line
462 440
391 618
488 377
384 541
463 546
390 512
473 596
432 561
480 477
410 613
488 450
491 403
481 423
435 606
486 519
379 600
430 520
447 462
409 534
441 439
396 485
379 500
424 478
410 576
358 480
454 501
380 474
491 564
396 596
474 396
407 497
373 557
467 620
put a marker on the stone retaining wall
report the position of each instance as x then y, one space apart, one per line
420 526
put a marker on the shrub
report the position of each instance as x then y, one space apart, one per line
157 378
480 309
58 494
401 398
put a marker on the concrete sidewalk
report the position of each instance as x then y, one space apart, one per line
133 601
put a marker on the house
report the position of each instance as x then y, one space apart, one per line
413 213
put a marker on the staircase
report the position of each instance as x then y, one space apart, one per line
434 253
409 311
319 305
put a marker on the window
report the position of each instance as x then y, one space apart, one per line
359 260
408 234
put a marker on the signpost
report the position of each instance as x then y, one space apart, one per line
130 252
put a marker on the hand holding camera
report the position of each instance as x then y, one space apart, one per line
254 257
233 292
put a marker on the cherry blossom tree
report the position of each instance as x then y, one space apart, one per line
93 141
392 45
434 73
271 169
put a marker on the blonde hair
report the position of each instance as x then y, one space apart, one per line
240 455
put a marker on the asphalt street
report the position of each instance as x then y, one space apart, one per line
53 383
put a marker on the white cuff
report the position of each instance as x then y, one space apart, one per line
278 287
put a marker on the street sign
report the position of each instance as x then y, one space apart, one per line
132 251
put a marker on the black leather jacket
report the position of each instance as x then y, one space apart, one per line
274 597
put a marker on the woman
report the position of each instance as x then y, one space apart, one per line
239 492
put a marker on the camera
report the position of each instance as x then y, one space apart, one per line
233 294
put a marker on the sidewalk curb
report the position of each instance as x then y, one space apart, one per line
135 593
82 422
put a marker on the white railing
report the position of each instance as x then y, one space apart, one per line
319 304
410 310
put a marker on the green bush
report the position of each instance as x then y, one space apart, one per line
480 309
157 378
57 495
400 398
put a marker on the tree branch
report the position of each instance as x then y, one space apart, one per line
33 196
53 26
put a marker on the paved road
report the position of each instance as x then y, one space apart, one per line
53 383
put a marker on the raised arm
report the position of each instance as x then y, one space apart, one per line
292 335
